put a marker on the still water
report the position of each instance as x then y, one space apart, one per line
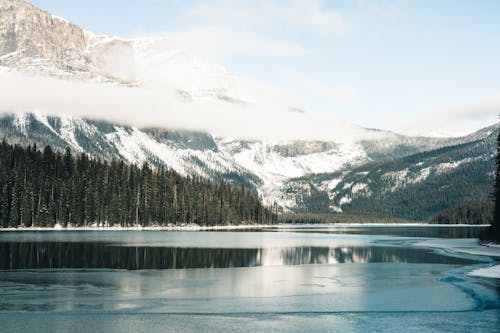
321 278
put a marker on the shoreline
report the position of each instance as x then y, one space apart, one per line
470 246
152 228
391 224
232 227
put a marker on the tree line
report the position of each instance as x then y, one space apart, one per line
493 232
467 214
332 218
45 188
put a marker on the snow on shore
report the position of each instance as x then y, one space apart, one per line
468 246
188 227
195 227
491 272
461 245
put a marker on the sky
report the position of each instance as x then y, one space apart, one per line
420 67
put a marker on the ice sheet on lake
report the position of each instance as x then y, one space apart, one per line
392 296
266 289
461 245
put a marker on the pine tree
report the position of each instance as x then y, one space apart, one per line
45 188
492 233
495 226
15 205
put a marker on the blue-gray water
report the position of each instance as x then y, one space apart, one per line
294 279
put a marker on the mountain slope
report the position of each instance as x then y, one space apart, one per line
412 187
189 153
308 175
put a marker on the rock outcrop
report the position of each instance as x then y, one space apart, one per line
32 40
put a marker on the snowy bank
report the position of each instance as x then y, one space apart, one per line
490 272
381 224
461 245
189 227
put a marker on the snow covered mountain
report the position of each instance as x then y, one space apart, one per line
37 42
285 172
290 172
412 187
263 166
189 153
33 40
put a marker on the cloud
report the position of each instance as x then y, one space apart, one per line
220 43
338 92
153 106
455 120
482 110
160 63
268 15
226 29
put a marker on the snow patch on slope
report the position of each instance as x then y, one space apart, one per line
138 147
359 187
275 170
329 185
20 121
422 175
396 179
401 178
67 130
42 118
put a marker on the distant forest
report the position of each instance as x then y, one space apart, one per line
42 189
467 214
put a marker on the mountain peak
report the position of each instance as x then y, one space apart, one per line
33 40
29 32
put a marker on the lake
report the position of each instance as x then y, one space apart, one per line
295 278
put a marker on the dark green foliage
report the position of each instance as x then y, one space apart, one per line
493 232
315 218
415 187
468 214
47 188
92 136
317 201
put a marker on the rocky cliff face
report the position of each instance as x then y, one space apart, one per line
33 40
28 33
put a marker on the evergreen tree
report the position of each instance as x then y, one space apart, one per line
47 188
493 232
496 214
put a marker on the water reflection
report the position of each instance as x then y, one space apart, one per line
46 255
402 231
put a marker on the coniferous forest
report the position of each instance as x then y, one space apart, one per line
467 214
493 232
45 188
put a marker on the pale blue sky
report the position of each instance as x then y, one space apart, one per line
421 65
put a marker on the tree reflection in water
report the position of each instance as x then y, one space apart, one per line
407 231
35 255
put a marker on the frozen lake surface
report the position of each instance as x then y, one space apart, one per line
322 278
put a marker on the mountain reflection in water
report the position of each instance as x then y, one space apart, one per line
35 255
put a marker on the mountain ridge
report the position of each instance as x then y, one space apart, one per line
267 168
